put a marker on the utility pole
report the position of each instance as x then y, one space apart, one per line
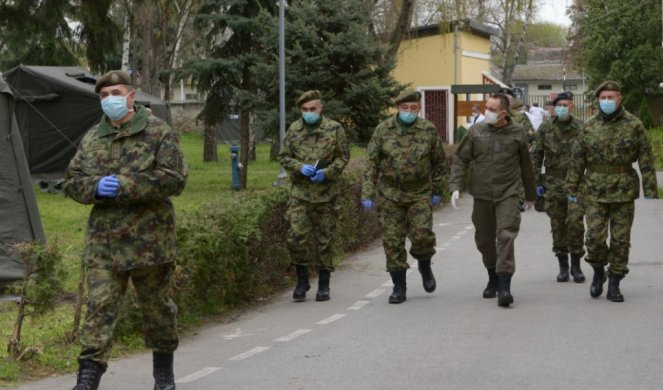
280 179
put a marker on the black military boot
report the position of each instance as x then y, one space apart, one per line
563 268
576 272
162 363
613 293
504 297
89 375
302 283
427 275
400 286
491 288
596 288
323 285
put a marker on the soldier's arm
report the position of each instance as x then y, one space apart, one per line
167 177
80 185
537 154
576 166
440 166
526 171
288 162
372 168
341 155
461 161
646 164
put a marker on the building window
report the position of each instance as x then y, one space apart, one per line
544 87
191 96
570 87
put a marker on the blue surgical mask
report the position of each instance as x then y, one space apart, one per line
407 117
310 117
115 107
562 112
608 106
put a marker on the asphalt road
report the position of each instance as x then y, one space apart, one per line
554 336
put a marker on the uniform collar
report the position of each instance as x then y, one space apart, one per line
135 125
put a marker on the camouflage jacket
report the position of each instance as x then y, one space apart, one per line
603 158
501 160
136 228
325 144
404 163
552 149
521 118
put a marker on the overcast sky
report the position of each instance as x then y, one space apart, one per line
554 11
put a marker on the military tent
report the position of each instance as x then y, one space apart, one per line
55 106
19 215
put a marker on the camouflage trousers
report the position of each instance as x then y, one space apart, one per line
105 292
312 225
566 224
401 220
497 225
618 217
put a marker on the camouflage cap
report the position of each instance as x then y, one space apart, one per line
566 95
307 97
607 85
114 77
408 95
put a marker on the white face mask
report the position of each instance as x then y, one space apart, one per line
490 117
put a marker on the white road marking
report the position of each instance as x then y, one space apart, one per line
331 319
293 335
378 291
469 227
455 237
388 283
443 224
249 353
197 375
358 305
236 334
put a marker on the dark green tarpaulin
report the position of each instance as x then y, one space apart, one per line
55 106
19 215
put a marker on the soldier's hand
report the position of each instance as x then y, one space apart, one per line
308 170
319 176
454 197
107 187
367 204
572 198
435 200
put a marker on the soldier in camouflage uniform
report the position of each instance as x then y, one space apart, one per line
127 167
552 149
521 118
314 152
603 155
498 148
406 172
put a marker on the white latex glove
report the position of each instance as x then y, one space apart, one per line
454 197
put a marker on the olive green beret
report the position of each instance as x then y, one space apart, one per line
607 85
114 77
408 95
307 97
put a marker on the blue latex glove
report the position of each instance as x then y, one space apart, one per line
572 198
367 204
319 176
436 200
540 190
107 187
308 170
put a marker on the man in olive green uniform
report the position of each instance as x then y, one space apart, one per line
127 167
406 172
602 171
498 148
552 149
314 152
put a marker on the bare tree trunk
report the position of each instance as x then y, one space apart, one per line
509 7
244 137
126 40
521 41
14 346
146 52
209 144
402 26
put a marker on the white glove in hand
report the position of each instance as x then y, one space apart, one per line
454 197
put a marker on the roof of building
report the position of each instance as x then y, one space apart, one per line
545 72
472 25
